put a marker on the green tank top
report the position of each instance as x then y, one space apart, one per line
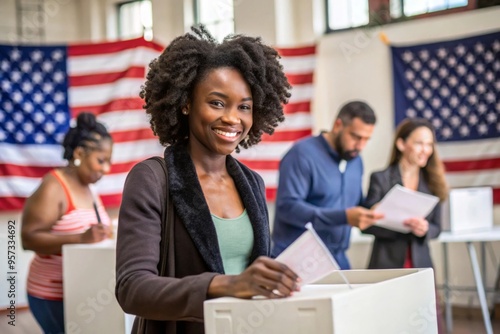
235 236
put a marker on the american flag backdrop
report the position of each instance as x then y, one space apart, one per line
456 85
298 64
44 88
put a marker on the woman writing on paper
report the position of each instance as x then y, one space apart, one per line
65 210
415 165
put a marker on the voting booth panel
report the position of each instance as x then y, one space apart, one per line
90 305
379 301
468 210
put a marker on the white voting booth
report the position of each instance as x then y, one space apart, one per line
380 301
90 305
468 210
335 301
468 218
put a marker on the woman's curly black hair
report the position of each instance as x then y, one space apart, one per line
173 76
87 131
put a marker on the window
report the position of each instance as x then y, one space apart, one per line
402 8
216 15
346 14
342 14
135 19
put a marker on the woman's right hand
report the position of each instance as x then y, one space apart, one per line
264 277
96 233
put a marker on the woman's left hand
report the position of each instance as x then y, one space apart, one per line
418 226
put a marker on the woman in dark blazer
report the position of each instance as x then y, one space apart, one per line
415 165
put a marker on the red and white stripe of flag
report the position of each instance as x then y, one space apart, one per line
264 158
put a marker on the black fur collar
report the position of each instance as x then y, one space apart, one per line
192 208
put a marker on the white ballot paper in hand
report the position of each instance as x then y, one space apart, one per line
401 203
309 258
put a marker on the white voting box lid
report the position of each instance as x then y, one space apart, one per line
380 301
468 209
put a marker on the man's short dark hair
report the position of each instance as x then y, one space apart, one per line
356 109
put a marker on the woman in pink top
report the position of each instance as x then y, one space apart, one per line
64 210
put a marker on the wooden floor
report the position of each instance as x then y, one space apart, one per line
473 326
26 324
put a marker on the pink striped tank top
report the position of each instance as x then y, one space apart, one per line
45 273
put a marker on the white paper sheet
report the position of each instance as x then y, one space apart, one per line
309 258
401 203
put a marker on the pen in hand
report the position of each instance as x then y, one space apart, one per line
97 213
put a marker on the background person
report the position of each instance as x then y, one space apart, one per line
320 181
205 100
414 164
61 211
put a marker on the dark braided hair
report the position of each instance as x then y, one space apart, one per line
173 76
86 132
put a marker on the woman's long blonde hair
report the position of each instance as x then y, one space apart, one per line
434 170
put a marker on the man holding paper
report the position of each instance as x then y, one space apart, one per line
415 165
321 182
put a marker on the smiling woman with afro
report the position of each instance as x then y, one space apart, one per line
205 100
187 60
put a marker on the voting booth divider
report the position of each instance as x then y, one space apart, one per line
90 305
468 210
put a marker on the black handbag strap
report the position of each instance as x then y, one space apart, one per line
167 220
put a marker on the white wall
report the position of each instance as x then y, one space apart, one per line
92 20
295 24
256 16
8 21
60 19
171 18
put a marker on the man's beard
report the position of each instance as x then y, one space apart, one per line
344 155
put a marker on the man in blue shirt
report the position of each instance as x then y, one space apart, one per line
320 181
